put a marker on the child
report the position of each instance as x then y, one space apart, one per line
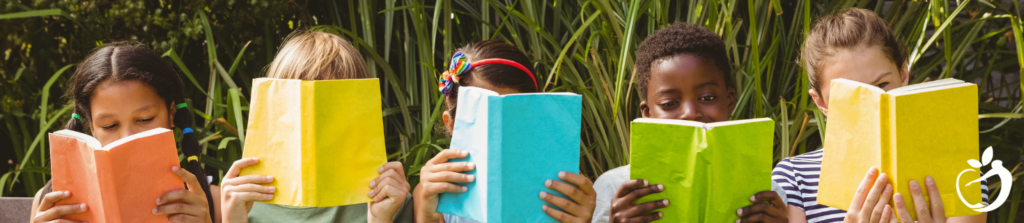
683 73
122 89
315 56
438 175
854 44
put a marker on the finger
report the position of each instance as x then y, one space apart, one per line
565 204
255 188
64 221
437 188
920 204
877 210
60 211
577 195
452 167
862 189
446 155
581 182
252 196
636 194
176 218
647 217
450 177
386 182
237 166
629 186
558 215
393 165
177 208
646 207
872 198
248 179
52 198
190 180
180 195
768 196
754 217
389 174
753 209
937 209
886 214
901 208
389 191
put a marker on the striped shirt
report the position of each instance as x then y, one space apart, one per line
798 176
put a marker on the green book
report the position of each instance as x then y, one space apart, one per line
709 169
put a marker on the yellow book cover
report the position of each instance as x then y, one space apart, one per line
323 141
927 129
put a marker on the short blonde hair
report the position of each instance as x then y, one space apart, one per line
315 55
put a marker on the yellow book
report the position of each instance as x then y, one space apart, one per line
908 133
323 141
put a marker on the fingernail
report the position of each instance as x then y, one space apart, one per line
470 178
661 187
752 198
544 207
370 194
81 207
273 189
471 166
268 196
547 183
888 188
660 215
270 178
644 182
372 183
543 194
158 200
561 174
67 193
914 185
665 201
739 212
465 188
464 152
255 159
174 168
380 170
737 220
929 180
154 210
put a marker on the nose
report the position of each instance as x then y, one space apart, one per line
690 112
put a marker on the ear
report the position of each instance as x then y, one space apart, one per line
448 122
905 73
171 114
819 101
645 111
732 99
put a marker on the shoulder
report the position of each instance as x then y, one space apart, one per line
612 179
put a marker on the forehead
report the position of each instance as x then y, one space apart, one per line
126 95
863 64
683 70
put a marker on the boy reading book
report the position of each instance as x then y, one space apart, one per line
683 73
854 44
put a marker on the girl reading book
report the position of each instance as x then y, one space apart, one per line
121 89
855 44
313 55
439 175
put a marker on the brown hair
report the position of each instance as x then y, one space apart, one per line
316 55
131 61
846 30
499 75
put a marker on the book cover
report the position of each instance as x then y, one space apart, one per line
709 170
908 133
517 141
323 141
120 181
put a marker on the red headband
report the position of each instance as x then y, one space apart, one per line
507 62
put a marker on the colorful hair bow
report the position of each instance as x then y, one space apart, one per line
460 65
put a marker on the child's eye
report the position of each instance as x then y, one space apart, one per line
669 104
109 127
146 120
707 98
882 85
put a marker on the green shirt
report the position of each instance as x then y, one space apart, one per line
263 212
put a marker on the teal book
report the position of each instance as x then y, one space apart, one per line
709 169
517 141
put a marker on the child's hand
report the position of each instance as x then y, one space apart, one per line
580 208
48 212
870 202
625 209
239 192
925 214
388 193
184 205
767 207
436 177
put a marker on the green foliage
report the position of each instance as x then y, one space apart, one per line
581 46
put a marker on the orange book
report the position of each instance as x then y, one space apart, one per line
119 181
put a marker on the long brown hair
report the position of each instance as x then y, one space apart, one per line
499 75
845 30
122 61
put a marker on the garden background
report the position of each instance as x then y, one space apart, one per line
581 46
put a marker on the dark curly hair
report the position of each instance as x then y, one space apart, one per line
680 38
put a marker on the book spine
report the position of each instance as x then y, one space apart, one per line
495 116
105 173
308 185
887 125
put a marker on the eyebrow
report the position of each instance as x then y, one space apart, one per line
880 76
705 84
667 91
143 108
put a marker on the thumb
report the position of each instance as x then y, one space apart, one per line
189 178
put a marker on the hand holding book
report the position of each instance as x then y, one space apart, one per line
239 192
184 205
625 209
438 176
582 197
388 192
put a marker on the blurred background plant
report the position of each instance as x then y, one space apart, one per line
581 46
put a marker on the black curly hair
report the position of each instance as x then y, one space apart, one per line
680 38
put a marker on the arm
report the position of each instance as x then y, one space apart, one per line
767 207
797 215
388 192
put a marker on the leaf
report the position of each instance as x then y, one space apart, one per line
986 157
224 142
974 163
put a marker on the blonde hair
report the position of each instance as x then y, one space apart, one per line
315 55
846 30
